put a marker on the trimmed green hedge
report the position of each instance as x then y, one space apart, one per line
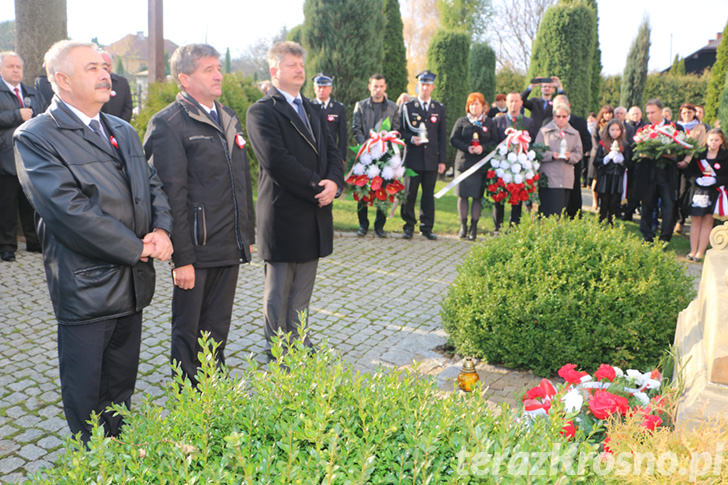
559 291
319 422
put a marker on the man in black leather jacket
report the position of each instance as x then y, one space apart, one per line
196 144
103 217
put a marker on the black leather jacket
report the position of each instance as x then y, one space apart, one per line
364 118
95 202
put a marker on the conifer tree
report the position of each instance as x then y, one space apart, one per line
481 70
448 58
227 67
717 79
394 62
343 39
563 27
635 71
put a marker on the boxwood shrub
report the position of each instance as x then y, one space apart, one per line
566 291
313 419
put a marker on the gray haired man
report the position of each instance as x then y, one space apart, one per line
197 146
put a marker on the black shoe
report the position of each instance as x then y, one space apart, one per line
473 233
407 234
7 256
380 233
463 232
429 236
362 232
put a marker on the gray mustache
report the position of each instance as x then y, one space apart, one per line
104 84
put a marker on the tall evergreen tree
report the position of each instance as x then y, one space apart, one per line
481 70
635 71
722 113
471 16
564 26
344 39
596 79
295 33
394 62
227 67
448 58
119 68
717 79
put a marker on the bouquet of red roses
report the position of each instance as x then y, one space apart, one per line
588 402
513 173
378 169
659 141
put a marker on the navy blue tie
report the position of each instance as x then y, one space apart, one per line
213 115
301 113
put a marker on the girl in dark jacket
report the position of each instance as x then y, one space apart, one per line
471 135
708 174
612 157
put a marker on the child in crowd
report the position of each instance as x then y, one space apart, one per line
708 174
612 157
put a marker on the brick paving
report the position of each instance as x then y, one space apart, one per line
376 301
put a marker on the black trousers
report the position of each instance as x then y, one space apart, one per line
552 201
666 193
633 198
362 212
98 367
12 202
287 291
574 203
207 307
499 210
427 201
609 206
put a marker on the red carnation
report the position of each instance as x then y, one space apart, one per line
537 176
604 403
394 187
491 174
569 430
544 390
501 183
605 372
356 196
492 188
569 373
361 181
381 194
351 179
652 422
376 183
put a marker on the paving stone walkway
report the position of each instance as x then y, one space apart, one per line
376 301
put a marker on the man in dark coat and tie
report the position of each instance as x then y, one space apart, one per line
542 107
102 217
300 175
17 104
120 104
426 150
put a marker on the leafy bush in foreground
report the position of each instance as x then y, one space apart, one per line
559 291
319 422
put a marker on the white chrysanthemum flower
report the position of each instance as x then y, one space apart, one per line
365 159
516 168
536 165
358 169
505 164
507 178
376 151
388 173
500 172
527 165
619 372
573 400
529 174
503 150
395 161
522 157
518 178
495 163
512 157
531 154
372 171
399 172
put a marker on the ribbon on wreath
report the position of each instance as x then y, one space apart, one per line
673 136
382 138
519 137
469 171
721 205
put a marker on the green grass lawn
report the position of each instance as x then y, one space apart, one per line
448 222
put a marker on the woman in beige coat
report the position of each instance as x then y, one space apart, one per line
563 152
